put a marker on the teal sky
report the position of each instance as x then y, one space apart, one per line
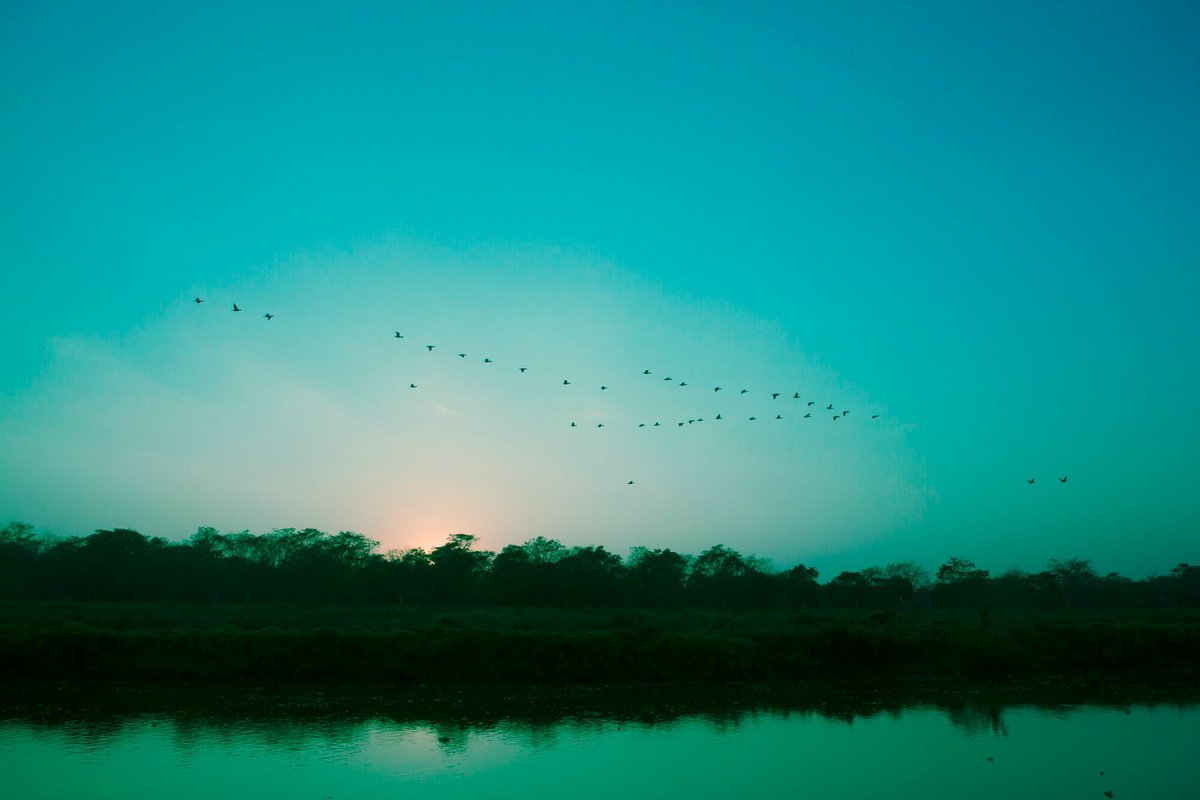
978 221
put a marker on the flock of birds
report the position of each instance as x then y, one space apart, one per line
810 406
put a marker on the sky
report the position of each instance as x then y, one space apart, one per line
976 221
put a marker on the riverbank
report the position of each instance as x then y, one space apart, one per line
150 644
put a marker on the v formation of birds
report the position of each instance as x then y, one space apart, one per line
647 372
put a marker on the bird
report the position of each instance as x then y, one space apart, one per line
566 382
430 347
743 391
680 424
874 416
719 417
268 317
573 425
399 335
717 389
522 369
753 418
774 395
645 372
487 361
235 307
412 386
462 355
1030 481
1063 479
641 424
198 301
655 425
836 417
796 396
806 416
629 484
599 424
829 407
844 413
991 758
602 388
1108 793
812 402
779 416
683 383
690 421
666 379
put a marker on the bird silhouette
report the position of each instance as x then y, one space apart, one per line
774 395
412 386
629 484
753 418
812 402
844 413
566 382
1063 479
796 396
1030 481
655 425
829 407
666 379
599 424
430 347
645 372
836 417
806 416
683 383
573 425
198 301
235 307
602 388
641 424
743 391
779 416
874 416
522 369
717 389
1109 793
462 355
487 361
719 417
399 335
268 317
680 424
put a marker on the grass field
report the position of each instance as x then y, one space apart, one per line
152 643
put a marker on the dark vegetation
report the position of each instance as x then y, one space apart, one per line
301 606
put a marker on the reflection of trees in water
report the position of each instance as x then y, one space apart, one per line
537 718
975 718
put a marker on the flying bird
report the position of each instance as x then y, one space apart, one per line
774 395
430 347
198 301
566 382
599 424
719 416
796 396
812 402
743 391
717 389
655 425
779 416
666 379
487 361
844 413
753 418
602 388
806 416
874 416
629 484
1030 481
683 383
462 355
235 307
641 424
829 407
268 317
522 369
412 386
1063 479
645 372
573 425
399 335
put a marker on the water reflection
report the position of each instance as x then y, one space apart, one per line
597 743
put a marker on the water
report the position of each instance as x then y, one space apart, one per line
907 750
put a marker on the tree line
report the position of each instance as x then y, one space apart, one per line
311 566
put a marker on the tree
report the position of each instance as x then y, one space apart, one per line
656 577
1074 577
960 584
